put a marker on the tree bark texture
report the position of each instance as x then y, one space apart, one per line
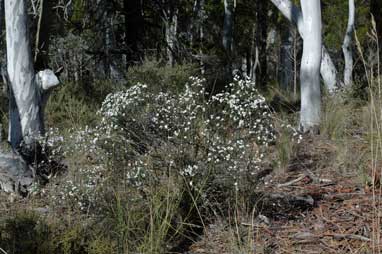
229 12
327 69
286 59
28 94
347 46
171 33
310 66
227 39
200 17
261 42
20 69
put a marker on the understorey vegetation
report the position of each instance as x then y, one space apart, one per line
151 171
155 167
190 127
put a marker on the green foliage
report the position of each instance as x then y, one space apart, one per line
160 77
333 119
25 233
72 240
155 164
101 245
335 18
147 227
285 147
28 233
78 11
338 116
74 105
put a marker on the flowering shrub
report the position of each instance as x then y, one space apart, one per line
211 142
224 135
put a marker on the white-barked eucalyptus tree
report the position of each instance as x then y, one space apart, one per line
310 66
347 46
28 94
327 68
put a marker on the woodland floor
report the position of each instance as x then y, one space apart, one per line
310 208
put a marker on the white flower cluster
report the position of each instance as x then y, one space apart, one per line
143 136
81 191
296 136
226 132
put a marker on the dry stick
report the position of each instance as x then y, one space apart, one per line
349 236
291 182
3 251
38 30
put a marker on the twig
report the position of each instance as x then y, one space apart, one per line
3 251
317 179
349 236
291 182
349 195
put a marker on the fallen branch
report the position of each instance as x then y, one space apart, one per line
349 236
291 182
317 179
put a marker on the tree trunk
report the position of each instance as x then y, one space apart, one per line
294 15
254 55
347 46
171 27
20 69
134 30
28 95
295 71
261 42
310 67
41 57
286 59
229 10
106 16
200 15
227 40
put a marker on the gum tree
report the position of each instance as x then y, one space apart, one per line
327 68
310 66
28 94
227 39
347 47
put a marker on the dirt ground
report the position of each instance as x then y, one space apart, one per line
315 206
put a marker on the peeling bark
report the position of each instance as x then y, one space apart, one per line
28 94
20 68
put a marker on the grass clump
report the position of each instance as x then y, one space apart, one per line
157 165
161 77
25 233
